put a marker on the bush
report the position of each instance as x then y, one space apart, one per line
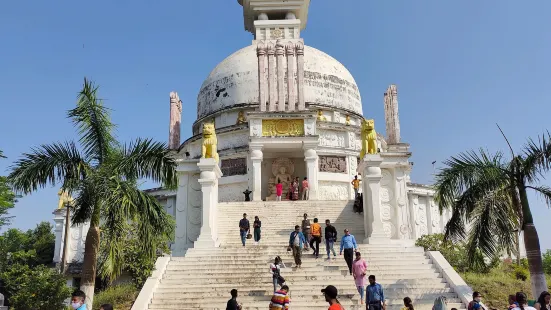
120 296
37 287
520 272
547 262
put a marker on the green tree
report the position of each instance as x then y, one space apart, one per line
7 199
489 192
547 262
102 176
33 247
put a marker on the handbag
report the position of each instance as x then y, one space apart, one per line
249 236
280 280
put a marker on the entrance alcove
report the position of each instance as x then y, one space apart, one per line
280 159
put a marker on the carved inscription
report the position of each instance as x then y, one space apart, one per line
282 127
332 164
234 166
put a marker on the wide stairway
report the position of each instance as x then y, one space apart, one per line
204 277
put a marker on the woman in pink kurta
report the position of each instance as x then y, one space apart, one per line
359 269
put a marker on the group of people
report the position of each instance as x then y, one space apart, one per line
245 229
519 301
295 189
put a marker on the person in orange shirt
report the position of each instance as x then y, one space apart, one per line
305 189
331 293
315 230
356 185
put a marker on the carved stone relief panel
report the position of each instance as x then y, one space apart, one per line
232 192
309 127
353 165
283 170
282 127
194 208
328 190
331 138
387 197
256 127
435 217
332 164
420 216
234 166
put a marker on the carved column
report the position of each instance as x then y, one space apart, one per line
256 159
403 224
391 115
182 207
261 54
300 76
371 182
311 159
280 53
272 82
290 48
175 120
59 229
210 173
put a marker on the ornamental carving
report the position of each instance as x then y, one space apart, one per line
331 138
386 212
276 34
389 229
282 170
332 190
332 164
282 127
234 166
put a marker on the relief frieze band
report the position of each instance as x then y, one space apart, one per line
333 164
234 166
282 127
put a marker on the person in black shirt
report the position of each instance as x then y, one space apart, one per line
232 303
257 226
330 238
244 228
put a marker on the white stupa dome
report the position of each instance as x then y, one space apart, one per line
234 82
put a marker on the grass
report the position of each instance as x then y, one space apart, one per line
120 296
497 285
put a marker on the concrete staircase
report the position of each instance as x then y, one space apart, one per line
203 278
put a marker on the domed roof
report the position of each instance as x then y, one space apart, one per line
235 82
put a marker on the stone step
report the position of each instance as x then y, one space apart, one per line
231 274
228 259
246 255
261 248
305 263
263 306
306 268
299 280
267 289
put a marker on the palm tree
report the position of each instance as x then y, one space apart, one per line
103 176
488 193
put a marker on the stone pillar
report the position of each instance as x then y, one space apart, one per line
290 49
59 229
210 173
371 183
311 159
300 76
272 82
280 53
391 115
261 54
256 159
175 120
187 173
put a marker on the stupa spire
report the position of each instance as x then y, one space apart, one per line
269 19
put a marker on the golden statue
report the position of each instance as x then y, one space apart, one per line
241 118
369 138
64 199
321 118
347 122
209 142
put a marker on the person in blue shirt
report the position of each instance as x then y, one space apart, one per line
348 243
78 300
374 295
296 241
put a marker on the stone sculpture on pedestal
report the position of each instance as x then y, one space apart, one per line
321 117
369 138
282 169
209 145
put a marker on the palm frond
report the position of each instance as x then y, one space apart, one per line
492 226
537 157
84 203
127 205
145 158
48 164
544 191
462 172
93 122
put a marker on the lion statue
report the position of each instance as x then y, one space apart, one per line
209 142
369 138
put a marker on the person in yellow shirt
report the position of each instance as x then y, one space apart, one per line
356 185
315 230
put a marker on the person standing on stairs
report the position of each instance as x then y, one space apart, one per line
316 237
256 230
375 297
280 299
306 230
296 241
275 270
305 189
348 243
330 238
359 268
356 185
330 293
244 228
279 190
232 303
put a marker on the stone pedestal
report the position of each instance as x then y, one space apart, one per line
188 207
370 168
210 173
256 160
311 159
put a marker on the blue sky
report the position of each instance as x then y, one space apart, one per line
460 66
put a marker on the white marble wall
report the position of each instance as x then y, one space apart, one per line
77 238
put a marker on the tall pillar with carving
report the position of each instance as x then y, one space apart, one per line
290 49
371 182
187 208
272 81
256 159
403 211
300 76
59 229
280 54
311 159
261 54
210 173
